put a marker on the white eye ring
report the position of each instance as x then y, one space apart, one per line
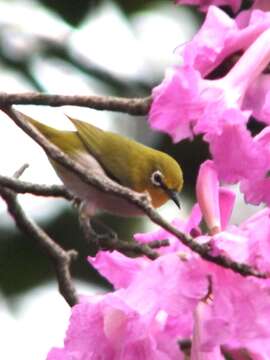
156 178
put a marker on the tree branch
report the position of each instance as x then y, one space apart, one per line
61 258
132 106
135 249
23 187
142 201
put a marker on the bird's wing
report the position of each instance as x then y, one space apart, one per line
121 158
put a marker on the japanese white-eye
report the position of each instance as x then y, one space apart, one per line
118 158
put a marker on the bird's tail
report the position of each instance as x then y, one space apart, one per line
67 141
45 130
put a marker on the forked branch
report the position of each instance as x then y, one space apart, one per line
142 201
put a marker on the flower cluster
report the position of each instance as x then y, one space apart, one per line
222 84
179 298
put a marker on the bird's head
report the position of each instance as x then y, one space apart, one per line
164 179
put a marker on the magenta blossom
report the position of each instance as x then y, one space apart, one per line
261 4
204 4
256 185
191 100
140 321
187 102
249 242
179 296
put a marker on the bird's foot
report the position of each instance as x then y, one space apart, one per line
97 235
103 233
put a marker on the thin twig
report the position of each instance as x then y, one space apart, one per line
131 249
142 201
23 187
156 244
61 258
20 171
109 240
133 106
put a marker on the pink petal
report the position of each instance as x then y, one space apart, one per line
205 52
57 354
226 204
228 37
117 268
204 4
175 297
258 99
238 314
138 322
257 190
252 63
257 230
244 158
256 186
231 243
207 190
186 103
194 220
244 307
172 111
262 5
198 352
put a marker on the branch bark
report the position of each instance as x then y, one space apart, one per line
24 187
61 259
132 106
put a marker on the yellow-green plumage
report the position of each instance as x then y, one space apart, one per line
137 158
123 160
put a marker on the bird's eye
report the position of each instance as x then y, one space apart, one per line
156 178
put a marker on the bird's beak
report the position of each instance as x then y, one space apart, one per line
174 195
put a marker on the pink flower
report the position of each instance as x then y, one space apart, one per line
261 4
204 4
139 322
256 186
210 197
230 320
236 153
161 302
250 241
187 102
110 265
220 37
246 161
234 300
198 350
191 100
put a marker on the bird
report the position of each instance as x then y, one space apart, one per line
116 158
